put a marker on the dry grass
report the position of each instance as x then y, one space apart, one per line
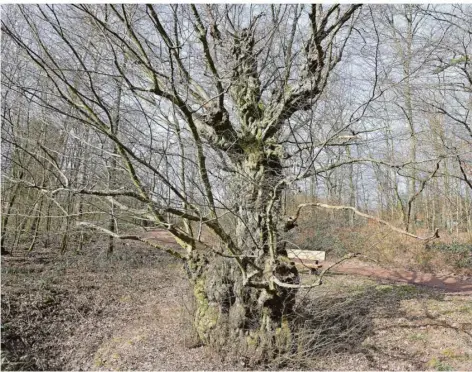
358 324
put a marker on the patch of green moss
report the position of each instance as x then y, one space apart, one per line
98 362
207 315
252 340
284 334
465 309
418 337
439 365
385 288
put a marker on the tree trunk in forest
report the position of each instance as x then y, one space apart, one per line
254 320
7 214
36 224
228 310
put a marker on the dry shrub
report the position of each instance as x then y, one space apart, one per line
449 253
337 234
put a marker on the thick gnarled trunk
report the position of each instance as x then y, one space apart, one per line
252 321
254 313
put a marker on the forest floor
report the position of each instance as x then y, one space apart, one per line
87 311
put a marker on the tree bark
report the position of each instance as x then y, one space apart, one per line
228 310
255 321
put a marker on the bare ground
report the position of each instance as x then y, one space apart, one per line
89 312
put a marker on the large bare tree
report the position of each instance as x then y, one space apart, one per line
220 84
197 120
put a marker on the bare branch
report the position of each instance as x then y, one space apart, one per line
365 215
132 237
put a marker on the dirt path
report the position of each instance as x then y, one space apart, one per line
448 283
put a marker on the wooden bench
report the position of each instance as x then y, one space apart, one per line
302 254
310 259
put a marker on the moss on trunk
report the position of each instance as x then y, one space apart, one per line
206 316
234 318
